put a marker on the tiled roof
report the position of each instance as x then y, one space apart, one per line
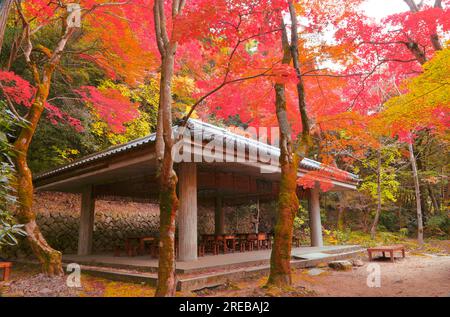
208 131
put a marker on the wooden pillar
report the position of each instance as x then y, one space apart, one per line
315 224
219 216
86 221
187 217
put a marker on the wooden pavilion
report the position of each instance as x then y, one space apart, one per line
213 164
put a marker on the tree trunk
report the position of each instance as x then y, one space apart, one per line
421 166
288 204
168 205
168 182
168 200
290 156
434 201
373 230
257 215
412 159
400 218
5 6
434 37
49 258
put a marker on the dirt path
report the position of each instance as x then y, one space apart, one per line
424 275
413 276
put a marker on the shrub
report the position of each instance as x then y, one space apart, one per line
438 225
8 228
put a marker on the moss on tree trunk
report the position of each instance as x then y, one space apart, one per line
166 268
291 153
49 258
280 267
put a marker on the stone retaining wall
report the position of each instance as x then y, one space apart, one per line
58 217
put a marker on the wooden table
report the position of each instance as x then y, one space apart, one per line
130 250
209 241
264 240
387 248
226 238
143 240
243 241
220 239
139 242
6 266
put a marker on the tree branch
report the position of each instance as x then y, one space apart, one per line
9 103
223 84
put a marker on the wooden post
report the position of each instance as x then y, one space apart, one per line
315 224
219 219
187 217
86 221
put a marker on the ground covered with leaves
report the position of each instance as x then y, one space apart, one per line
412 276
406 277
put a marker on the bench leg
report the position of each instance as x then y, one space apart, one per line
6 273
392 255
370 255
403 252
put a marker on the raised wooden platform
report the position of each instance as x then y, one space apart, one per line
208 271
205 263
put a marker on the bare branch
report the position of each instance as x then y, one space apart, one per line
412 5
163 22
223 84
157 24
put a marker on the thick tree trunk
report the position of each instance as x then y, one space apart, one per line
164 144
49 258
168 183
288 204
168 205
280 266
412 159
290 156
5 6
373 230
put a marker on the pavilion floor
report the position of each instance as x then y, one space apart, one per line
210 262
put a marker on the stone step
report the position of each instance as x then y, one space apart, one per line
220 278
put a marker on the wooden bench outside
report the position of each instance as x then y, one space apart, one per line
386 249
6 266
